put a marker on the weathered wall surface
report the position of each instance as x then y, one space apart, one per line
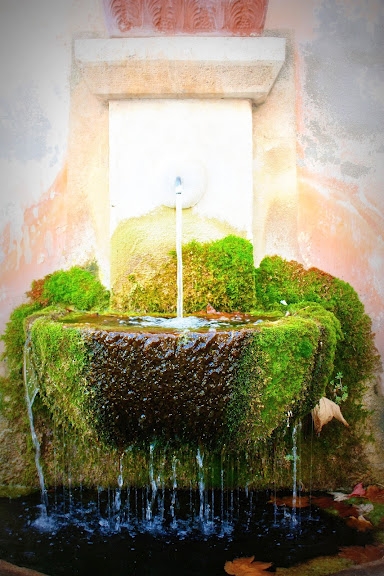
43 226
318 140
340 141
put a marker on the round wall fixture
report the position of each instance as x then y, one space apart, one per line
193 178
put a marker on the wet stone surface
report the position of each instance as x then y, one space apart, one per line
173 386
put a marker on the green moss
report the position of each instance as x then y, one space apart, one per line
11 387
322 566
59 362
356 355
285 368
376 516
76 287
220 273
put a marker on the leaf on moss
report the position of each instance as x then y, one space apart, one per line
362 554
341 508
375 494
358 490
324 412
339 496
246 567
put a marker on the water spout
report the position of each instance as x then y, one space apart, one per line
179 207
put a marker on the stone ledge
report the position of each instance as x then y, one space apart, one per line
198 67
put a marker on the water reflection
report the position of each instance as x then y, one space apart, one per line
109 532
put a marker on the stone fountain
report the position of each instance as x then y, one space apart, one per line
203 393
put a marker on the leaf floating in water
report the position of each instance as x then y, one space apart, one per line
211 313
301 501
246 567
324 412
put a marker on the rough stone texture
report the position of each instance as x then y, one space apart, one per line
374 402
181 67
275 226
375 568
15 461
187 384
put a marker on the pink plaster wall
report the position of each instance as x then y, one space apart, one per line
340 119
338 47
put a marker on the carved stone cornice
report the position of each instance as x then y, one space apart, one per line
185 17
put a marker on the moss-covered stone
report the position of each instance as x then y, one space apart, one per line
58 362
284 368
356 357
236 384
76 287
219 273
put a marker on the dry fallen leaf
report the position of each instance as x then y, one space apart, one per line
246 567
301 501
360 523
375 494
339 496
362 554
358 490
343 508
323 413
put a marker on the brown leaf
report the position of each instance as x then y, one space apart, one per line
360 523
343 508
246 567
211 313
375 494
323 413
301 501
362 554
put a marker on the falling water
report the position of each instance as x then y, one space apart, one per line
179 200
294 475
199 459
30 396
151 502
117 502
174 491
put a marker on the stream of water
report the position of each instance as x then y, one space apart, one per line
179 239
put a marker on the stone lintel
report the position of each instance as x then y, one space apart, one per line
180 67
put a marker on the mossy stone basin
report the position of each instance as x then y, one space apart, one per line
134 380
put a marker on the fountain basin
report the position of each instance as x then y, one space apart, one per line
133 381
